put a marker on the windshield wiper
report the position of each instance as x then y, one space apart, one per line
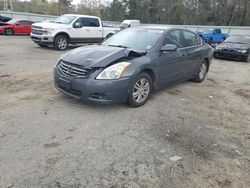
120 46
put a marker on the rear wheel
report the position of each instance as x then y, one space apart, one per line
201 75
140 90
61 43
9 32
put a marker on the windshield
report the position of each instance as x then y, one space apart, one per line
12 21
238 39
136 39
64 19
205 30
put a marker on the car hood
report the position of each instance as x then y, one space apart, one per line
235 46
97 55
50 25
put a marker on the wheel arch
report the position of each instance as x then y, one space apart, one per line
208 63
152 74
64 34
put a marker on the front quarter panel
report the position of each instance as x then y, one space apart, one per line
139 64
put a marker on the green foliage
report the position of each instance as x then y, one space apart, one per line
193 12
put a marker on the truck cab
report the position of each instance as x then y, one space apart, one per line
212 35
70 29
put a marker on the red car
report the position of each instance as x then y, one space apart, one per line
16 27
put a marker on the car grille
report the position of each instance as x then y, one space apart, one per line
74 70
37 30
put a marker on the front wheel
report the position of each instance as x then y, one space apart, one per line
61 43
9 32
140 90
201 75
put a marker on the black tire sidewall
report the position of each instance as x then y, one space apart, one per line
7 33
197 78
131 100
56 41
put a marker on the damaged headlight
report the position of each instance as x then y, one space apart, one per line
113 72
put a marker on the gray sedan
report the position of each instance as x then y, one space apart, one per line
131 64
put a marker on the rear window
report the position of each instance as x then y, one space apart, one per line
190 39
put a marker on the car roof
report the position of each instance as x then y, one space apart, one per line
160 27
163 27
80 15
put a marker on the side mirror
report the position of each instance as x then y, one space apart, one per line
77 25
17 24
169 47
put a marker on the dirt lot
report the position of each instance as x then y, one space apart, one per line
50 140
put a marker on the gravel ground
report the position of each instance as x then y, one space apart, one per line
52 141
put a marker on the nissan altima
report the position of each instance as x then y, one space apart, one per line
131 64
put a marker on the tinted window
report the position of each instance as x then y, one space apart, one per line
190 39
217 31
173 38
88 22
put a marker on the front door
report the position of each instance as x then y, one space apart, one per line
172 64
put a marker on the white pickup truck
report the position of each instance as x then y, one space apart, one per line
70 29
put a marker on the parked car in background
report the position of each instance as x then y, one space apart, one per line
130 23
234 47
4 18
212 35
70 29
16 27
131 64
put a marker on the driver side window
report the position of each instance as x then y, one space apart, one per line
173 37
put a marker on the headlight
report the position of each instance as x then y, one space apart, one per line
218 48
113 72
48 31
242 51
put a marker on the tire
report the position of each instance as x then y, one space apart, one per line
61 43
142 84
8 32
42 45
201 75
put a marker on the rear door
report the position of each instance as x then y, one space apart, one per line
26 26
89 30
94 29
172 64
192 45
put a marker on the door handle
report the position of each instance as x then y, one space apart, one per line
87 30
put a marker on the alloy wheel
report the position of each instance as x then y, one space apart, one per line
203 71
141 90
62 43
